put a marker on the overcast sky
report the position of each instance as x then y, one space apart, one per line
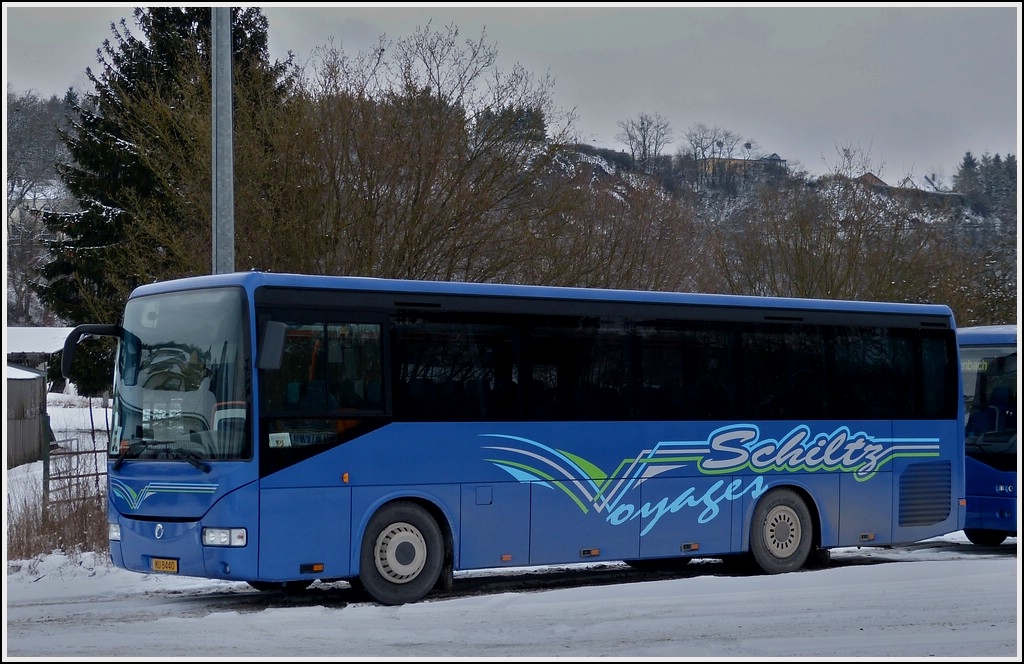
912 87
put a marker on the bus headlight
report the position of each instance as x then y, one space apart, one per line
114 532
224 537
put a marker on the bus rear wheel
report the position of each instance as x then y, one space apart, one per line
981 537
781 532
401 555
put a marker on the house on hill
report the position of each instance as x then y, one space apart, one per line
773 163
871 180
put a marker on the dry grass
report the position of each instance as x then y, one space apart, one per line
70 528
70 517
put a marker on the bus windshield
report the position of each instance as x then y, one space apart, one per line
990 385
179 388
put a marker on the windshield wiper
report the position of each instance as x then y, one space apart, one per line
193 459
137 445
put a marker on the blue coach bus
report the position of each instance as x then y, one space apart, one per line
988 361
282 429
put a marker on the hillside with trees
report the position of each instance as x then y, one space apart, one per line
421 159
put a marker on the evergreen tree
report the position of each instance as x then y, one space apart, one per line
999 183
102 252
968 181
1006 203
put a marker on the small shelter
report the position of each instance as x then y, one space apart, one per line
27 422
28 429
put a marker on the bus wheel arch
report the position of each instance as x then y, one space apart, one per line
783 531
405 552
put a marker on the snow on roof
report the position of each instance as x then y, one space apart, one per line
20 373
35 339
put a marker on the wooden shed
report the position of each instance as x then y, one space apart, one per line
27 431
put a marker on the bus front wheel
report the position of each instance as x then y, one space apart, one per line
401 555
781 532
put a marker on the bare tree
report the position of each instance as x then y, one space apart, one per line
646 136
33 149
421 159
712 149
840 239
622 234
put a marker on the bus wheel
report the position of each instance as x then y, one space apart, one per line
982 537
780 533
401 555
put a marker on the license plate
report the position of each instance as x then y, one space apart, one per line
167 565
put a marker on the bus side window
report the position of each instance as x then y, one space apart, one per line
288 387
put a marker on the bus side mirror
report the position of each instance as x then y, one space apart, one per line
90 329
271 350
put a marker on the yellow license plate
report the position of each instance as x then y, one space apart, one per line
166 565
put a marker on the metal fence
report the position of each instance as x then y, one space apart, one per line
74 470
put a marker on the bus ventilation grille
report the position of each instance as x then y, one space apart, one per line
926 493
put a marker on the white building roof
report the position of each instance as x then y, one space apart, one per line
19 373
35 339
31 340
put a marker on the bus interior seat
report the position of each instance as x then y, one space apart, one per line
316 396
348 396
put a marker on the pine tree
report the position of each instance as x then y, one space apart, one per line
1006 205
968 181
103 251
999 182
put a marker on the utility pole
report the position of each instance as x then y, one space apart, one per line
223 162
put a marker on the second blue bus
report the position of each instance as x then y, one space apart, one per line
988 361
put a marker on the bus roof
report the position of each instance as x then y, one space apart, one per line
255 279
987 335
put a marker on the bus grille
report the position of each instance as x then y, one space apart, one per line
925 493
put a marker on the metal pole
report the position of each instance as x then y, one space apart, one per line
223 164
